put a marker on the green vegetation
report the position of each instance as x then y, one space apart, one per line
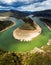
7 41
13 13
5 24
27 26
12 58
40 59
43 58
47 21
14 49
29 20
26 58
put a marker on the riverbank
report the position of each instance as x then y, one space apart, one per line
11 24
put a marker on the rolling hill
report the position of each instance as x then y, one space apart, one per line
45 13
13 13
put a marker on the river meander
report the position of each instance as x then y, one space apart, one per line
7 41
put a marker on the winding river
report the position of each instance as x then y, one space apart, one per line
7 41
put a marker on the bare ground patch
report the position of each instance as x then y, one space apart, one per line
26 35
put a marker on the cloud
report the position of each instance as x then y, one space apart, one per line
36 6
12 1
8 1
23 1
4 8
26 5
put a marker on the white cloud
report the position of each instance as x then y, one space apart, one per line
47 2
41 6
11 1
0 6
8 1
4 8
32 7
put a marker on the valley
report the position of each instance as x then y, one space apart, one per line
8 42
25 39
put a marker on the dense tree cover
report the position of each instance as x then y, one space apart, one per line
5 24
14 13
46 20
40 59
26 58
44 13
29 24
11 58
29 20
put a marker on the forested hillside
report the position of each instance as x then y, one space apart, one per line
26 58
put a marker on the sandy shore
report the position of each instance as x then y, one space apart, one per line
26 35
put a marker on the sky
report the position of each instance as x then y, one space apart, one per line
25 5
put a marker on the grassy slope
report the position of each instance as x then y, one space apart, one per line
7 41
27 26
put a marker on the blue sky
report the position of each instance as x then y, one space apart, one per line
25 5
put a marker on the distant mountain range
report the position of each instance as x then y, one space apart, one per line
20 14
45 13
13 13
